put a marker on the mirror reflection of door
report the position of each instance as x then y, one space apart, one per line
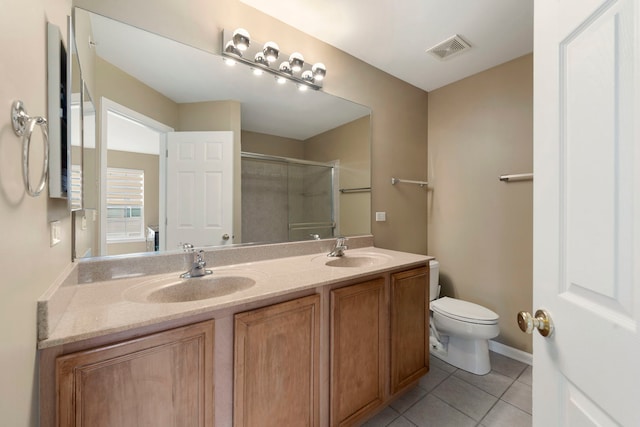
199 189
131 170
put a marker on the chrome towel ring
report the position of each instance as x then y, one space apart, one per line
23 126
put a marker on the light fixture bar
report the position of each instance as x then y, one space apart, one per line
248 57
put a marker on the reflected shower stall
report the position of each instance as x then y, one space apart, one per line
286 199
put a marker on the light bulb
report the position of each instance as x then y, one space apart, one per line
232 49
271 51
307 76
241 39
285 67
261 60
297 61
319 71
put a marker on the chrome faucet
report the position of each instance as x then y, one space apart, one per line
198 264
339 248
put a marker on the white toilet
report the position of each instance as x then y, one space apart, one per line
460 330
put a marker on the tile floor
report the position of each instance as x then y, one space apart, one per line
450 397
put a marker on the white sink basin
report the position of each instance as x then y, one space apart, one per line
171 289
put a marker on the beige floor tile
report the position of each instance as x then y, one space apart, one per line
493 383
505 415
433 412
465 397
434 377
519 394
506 366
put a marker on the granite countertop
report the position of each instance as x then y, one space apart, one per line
110 306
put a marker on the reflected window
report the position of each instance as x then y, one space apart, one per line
76 187
125 205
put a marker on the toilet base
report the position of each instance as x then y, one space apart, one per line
464 353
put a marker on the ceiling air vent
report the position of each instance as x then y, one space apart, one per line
452 46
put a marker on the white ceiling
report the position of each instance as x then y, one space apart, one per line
394 35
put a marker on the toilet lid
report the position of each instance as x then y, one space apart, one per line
464 310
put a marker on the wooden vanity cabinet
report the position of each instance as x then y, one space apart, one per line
357 351
409 303
163 379
276 369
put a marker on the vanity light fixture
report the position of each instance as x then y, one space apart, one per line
237 46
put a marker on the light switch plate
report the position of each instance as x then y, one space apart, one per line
381 216
55 229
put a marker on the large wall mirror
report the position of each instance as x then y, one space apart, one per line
190 150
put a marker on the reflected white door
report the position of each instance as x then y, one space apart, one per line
199 188
587 212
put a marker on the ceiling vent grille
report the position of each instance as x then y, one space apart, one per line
452 46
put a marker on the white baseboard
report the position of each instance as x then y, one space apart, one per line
514 353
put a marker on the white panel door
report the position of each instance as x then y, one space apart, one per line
587 212
199 188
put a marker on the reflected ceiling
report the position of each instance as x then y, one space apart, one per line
203 77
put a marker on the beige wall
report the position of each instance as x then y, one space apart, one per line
118 86
351 144
28 265
481 229
399 128
255 142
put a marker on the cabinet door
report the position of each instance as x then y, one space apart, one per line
358 319
164 379
276 372
409 327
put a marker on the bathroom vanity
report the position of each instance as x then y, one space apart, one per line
313 341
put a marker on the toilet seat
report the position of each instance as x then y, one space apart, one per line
464 311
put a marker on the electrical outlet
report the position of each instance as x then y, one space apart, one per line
55 229
381 216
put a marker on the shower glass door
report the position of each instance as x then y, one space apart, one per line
286 199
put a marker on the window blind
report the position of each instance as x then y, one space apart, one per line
125 205
125 187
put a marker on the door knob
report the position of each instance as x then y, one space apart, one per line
225 237
541 322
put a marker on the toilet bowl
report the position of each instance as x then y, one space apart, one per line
460 330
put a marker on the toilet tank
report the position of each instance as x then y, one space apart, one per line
434 279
